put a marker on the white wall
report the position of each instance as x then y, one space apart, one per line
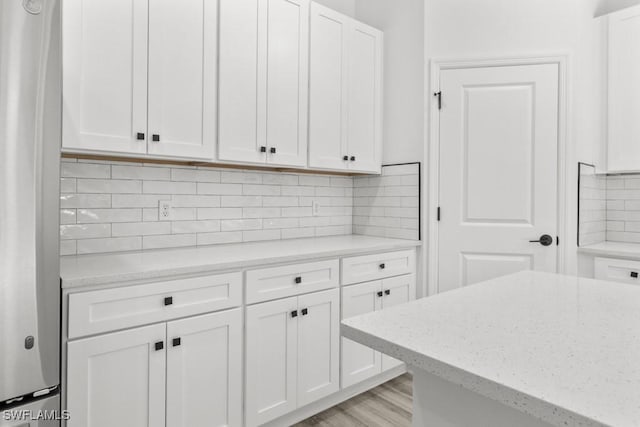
403 26
608 6
348 7
500 28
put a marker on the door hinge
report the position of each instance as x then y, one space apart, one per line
438 214
439 96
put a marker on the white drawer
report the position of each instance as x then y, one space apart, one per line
618 270
289 280
107 310
378 266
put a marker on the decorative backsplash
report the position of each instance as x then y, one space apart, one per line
593 206
114 206
388 205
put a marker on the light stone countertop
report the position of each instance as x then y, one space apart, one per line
613 249
562 349
92 270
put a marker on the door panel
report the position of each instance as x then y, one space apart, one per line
271 359
287 77
365 98
318 345
328 88
238 128
105 75
182 77
498 171
397 290
359 362
204 370
99 370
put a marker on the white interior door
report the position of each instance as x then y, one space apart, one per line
318 345
116 377
328 88
204 370
365 98
498 172
397 290
358 361
238 127
105 75
182 78
287 80
271 358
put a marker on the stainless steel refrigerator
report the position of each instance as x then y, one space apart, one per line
30 132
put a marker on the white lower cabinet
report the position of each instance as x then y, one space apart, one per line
291 354
359 362
188 369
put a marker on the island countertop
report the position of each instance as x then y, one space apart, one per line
562 349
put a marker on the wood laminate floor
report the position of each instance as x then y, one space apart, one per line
388 405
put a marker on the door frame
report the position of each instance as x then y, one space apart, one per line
438 65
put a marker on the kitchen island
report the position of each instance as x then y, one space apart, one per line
529 349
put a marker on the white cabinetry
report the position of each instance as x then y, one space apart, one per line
140 77
263 81
360 362
617 270
292 354
624 91
345 127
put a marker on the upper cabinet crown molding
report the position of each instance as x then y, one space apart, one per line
624 91
282 83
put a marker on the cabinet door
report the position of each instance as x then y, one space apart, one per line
284 51
240 134
365 98
182 78
117 378
328 88
204 371
105 75
624 90
318 345
271 333
397 290
359 362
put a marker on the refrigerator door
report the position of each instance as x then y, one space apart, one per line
41 413
30 122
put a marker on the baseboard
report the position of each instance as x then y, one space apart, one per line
314 408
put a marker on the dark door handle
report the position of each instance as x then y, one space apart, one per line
545 240
387 292
140 136
382 266
345 158
380 294
156 138
263 149
294 313
298 280
176 342
353 158
168 301
159 345
305 311
273 150
634 274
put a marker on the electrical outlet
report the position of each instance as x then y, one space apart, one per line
165 210
315 208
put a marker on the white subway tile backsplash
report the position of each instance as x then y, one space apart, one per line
113 206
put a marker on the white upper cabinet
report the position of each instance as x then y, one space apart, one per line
345 127
264 81
182 78
105 75
140 77
624 90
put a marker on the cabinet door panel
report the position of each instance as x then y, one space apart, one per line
204 371
238 128
99 370
365 98
328 88
182 77
271 335
359 362
287 63
624 90
400 290
318 345
105 75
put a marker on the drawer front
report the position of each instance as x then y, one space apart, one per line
289 280
617 270
378 266
118 308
